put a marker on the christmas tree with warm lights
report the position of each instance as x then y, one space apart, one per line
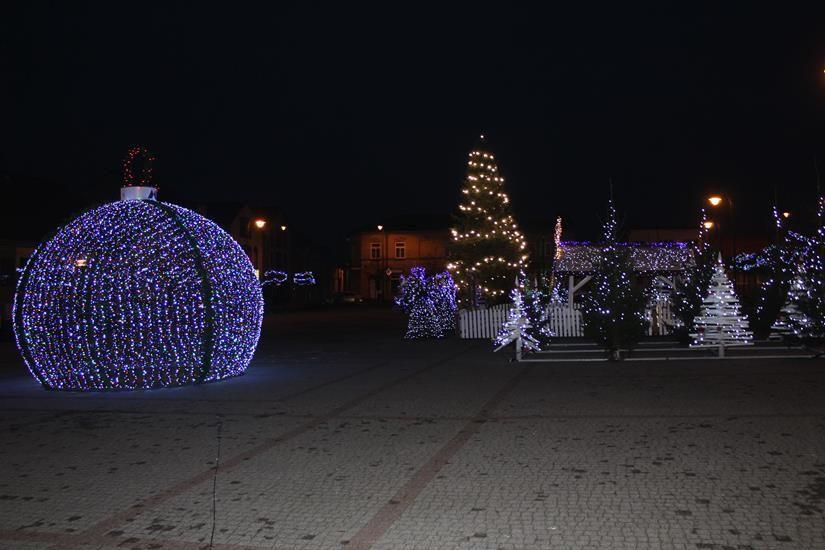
488 249
612 310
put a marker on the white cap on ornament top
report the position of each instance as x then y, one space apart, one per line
138 186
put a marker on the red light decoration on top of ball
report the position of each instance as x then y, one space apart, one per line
129 177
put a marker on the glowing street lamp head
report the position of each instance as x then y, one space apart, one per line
715 200
260 223
283 228
380 228
708 224
786 215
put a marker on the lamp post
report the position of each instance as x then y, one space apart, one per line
385 257
260 225
716 201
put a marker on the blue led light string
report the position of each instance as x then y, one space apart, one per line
208 342
17 320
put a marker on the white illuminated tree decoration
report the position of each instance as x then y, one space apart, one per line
720 323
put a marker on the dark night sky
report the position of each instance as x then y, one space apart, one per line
343 115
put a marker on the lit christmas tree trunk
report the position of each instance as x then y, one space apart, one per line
720 323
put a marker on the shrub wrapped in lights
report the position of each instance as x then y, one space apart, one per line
137 294
429 302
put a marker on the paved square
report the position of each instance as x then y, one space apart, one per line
342 435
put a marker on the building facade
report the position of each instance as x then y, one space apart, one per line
379 257
262 233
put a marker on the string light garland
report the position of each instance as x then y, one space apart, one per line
430 303
487 246
275 277
304 278
137 294
584 256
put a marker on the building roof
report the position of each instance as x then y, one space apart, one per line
410 222
583 257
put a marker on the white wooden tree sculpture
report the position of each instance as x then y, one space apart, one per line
516 328
720 323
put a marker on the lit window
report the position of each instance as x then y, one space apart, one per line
375 250
400 250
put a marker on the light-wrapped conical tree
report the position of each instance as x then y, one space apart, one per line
487 248
809 298
612 308
790 323
720 323
517 328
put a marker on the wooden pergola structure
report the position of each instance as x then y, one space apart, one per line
663 261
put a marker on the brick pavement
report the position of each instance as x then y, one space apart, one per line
361 440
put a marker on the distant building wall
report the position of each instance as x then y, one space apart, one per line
379 258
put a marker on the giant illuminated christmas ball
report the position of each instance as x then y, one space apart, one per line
137 294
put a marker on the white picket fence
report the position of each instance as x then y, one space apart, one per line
564 321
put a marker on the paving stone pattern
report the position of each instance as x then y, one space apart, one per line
343 435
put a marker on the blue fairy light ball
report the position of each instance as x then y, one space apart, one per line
137 294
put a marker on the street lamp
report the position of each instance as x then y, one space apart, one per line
786 215
384 253
260 223
708 224
717 200
283 228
